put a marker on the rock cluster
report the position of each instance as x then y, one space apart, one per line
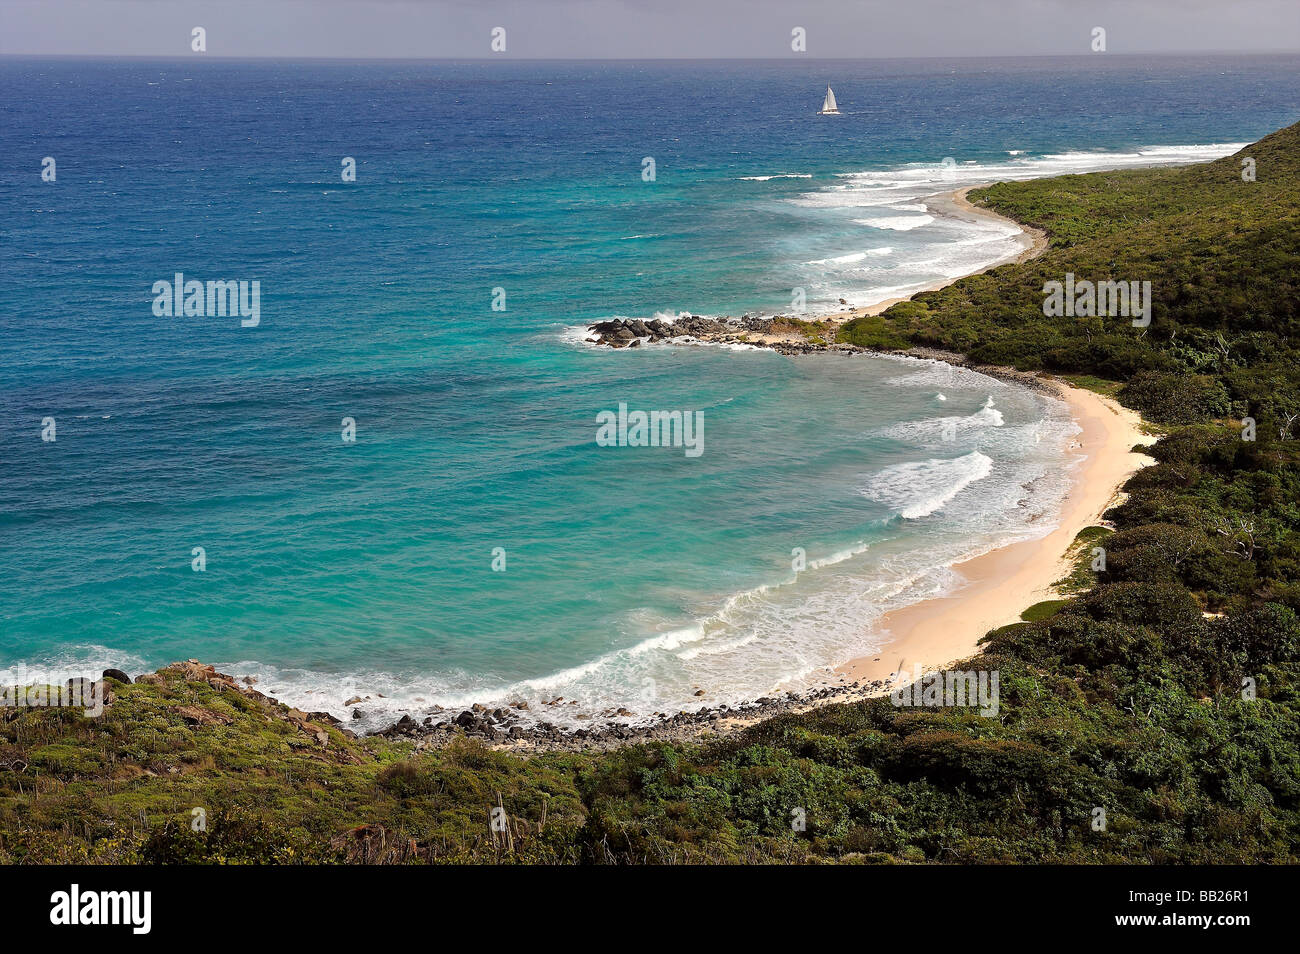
506 728
630 332
778 333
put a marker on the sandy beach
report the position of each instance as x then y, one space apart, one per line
1001 584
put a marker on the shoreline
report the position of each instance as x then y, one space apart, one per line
1000 584
932 634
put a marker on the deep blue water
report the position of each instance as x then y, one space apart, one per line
334 565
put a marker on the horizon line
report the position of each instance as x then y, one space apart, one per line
641 59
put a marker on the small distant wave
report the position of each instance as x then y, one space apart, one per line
672 640
896 223
840 259
921 488
928 372
988 414
578 335
852 257
933 430
840 556
778 175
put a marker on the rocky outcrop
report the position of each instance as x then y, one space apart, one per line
779 333
784 336
626 332
508 728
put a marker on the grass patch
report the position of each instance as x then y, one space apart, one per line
1044 610
1081 577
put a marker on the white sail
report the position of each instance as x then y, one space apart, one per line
829 108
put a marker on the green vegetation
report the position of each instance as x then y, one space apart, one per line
1088 382
815 332
274 787
1127 698
1081 577
1043 610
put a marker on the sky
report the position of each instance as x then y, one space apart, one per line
618 29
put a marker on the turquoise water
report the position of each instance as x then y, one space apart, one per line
631 575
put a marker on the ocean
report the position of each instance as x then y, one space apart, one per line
474 541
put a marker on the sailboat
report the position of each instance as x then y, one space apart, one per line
828 105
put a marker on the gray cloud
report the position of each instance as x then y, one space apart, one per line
642 28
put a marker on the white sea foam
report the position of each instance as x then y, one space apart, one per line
897 223
674 639
921 488
88 660
779 175
988 414
839 556
932 247
936 431
840 259
577 335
